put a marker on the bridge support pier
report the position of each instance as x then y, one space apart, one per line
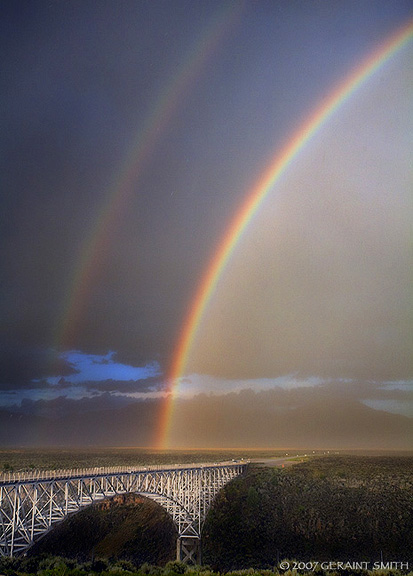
188 549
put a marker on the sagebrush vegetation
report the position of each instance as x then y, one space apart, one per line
330 508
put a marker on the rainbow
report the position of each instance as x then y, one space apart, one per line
255 198
124 182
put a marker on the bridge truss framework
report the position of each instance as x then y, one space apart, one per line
31 503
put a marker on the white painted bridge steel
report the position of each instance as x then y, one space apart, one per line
31 503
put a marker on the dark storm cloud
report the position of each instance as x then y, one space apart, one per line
81 81
65 407
21 365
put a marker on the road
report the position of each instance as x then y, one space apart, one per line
283 462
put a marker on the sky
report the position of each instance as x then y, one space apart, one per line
132 134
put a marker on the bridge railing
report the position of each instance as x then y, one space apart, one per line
36 475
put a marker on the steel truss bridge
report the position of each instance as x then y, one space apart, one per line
31 503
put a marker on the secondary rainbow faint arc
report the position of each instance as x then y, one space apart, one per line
122 187
254 200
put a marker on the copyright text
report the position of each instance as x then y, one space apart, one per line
330 565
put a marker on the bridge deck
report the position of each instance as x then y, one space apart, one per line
72 473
